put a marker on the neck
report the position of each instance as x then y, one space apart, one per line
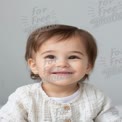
59 91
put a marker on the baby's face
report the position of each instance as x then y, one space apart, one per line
63 62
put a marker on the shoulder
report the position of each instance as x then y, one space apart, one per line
24 91
91 91
94 97
18 104
28 87
90 87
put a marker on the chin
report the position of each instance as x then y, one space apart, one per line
62 82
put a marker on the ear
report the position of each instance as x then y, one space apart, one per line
32 65
89 68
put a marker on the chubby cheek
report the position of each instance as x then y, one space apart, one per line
45 69
80 67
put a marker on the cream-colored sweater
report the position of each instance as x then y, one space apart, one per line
31 104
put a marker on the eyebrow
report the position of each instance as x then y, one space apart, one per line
50 51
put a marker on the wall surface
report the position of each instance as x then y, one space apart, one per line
103 18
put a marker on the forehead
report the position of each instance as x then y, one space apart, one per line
70 44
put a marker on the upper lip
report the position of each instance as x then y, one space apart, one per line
62 72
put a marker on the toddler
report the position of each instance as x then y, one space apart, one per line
60 58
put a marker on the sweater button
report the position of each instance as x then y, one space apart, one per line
66 107
67 120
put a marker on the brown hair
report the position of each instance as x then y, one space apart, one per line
40 35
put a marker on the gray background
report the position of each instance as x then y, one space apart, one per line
103 18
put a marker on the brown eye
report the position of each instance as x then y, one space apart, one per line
74 57
49 57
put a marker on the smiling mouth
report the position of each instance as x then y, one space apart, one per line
61 75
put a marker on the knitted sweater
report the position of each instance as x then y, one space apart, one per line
30 103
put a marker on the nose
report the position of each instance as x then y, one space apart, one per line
62 63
